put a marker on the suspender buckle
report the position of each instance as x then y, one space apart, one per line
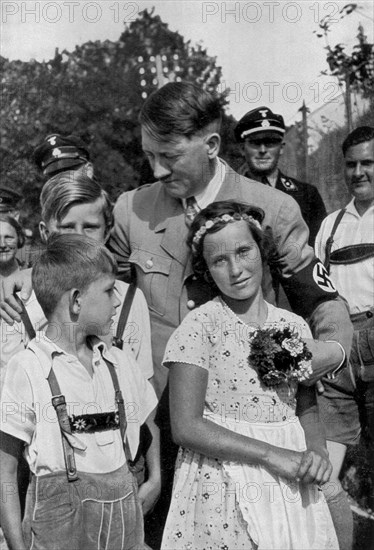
58 400
117 342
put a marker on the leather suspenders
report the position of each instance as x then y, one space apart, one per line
59 402
330 240
121 409
117 339
349 254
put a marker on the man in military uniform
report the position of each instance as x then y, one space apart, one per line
261 133
57 153
9 202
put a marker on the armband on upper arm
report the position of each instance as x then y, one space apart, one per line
308 288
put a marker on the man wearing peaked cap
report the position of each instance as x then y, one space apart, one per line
57 153
9 202
260 133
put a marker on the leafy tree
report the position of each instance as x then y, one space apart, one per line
354 71
95 92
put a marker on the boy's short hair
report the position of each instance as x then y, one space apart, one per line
182 109
68 189
359 135
69 261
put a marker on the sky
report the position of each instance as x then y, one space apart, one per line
268 51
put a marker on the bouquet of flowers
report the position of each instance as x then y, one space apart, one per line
280 355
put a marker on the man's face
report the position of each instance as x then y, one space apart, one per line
181 164
359 171
262 151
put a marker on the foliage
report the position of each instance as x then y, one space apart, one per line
95 92
357 69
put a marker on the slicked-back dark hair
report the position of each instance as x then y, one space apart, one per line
180 108
359 135
69 261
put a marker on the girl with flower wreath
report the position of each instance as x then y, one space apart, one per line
252 454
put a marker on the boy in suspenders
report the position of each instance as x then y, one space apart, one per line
345 243
77 408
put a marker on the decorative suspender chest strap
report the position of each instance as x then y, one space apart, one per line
59 402
349 254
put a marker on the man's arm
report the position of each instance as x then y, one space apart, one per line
309 289
317 215
10 509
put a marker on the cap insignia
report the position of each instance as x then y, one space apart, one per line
52 140
263 112
56 152
265 124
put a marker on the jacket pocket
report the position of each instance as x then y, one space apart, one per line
152 273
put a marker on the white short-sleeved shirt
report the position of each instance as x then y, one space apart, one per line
27 412
137 333
353 281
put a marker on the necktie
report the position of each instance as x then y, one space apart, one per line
191 210
265 180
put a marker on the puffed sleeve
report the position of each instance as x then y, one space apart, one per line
192 341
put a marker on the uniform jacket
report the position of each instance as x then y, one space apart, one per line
150 233
307 197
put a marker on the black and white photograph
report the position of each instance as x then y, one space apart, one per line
187 275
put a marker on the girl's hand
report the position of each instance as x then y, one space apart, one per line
315 468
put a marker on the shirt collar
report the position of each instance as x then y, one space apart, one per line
47 350
210 192
351 209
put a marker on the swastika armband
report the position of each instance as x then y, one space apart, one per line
308 288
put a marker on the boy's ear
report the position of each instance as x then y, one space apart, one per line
44 233
75 301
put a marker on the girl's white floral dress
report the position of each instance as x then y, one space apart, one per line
222 505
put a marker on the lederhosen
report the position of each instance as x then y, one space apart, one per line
362 353
81 511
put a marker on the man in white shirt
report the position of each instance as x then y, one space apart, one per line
345 243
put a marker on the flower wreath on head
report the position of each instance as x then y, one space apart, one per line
226 218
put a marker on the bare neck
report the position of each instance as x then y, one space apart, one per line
362 206
71 339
